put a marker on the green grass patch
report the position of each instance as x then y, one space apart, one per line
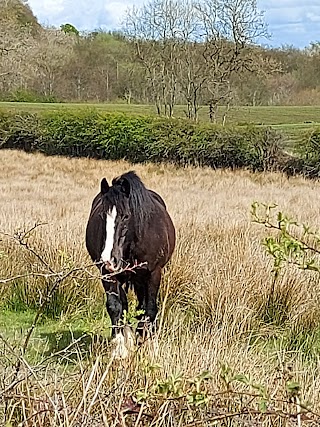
56 338
275 115
273 340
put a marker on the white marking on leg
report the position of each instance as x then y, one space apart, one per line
120 350
110 230
129 338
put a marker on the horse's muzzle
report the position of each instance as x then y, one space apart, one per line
113 265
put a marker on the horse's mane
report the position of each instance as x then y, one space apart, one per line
141 203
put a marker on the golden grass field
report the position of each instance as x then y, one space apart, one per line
213 301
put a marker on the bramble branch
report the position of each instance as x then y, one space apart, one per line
294 244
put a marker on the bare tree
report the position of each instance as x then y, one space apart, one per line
229 30
192 52
53 49
156 30
16 47
192 46
191 67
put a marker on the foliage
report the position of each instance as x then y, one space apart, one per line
293 245
141 139
310 148
69 28
19 12
184 68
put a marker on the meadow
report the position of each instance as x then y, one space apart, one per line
225 356
293 121
273 115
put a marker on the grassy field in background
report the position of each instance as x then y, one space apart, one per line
284 117
215 299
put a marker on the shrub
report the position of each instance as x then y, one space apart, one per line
22 131
140 139
310 151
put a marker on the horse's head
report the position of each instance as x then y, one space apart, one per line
117 216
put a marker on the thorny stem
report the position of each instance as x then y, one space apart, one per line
21 238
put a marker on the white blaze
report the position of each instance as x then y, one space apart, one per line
110 229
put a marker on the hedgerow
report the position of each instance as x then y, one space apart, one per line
141 139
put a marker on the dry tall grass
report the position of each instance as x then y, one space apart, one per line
216 311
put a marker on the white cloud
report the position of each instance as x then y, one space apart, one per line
293 22
117 9
280 4
313 17
47 7
84 14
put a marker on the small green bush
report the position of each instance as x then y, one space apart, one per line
310 152
140 139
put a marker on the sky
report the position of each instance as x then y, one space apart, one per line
290 22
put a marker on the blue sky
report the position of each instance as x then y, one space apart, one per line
290 22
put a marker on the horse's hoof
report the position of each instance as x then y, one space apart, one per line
146 329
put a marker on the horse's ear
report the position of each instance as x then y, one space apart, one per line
125 186
104 186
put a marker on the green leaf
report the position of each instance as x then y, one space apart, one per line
263 405
293 388
241 378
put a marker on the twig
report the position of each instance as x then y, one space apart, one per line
270 225
21 237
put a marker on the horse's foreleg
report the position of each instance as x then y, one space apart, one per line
151 309
151 295
140 291
116 302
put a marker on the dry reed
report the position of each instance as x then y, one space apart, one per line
215 315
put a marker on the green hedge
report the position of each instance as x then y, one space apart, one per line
140 139
25 95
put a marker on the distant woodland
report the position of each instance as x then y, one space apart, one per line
168 52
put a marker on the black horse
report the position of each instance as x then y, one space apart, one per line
130 236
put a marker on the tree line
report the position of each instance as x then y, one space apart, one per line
168 52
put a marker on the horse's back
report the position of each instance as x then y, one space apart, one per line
158 198
160 237
168 227
167 218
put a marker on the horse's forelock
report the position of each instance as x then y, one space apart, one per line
140 202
